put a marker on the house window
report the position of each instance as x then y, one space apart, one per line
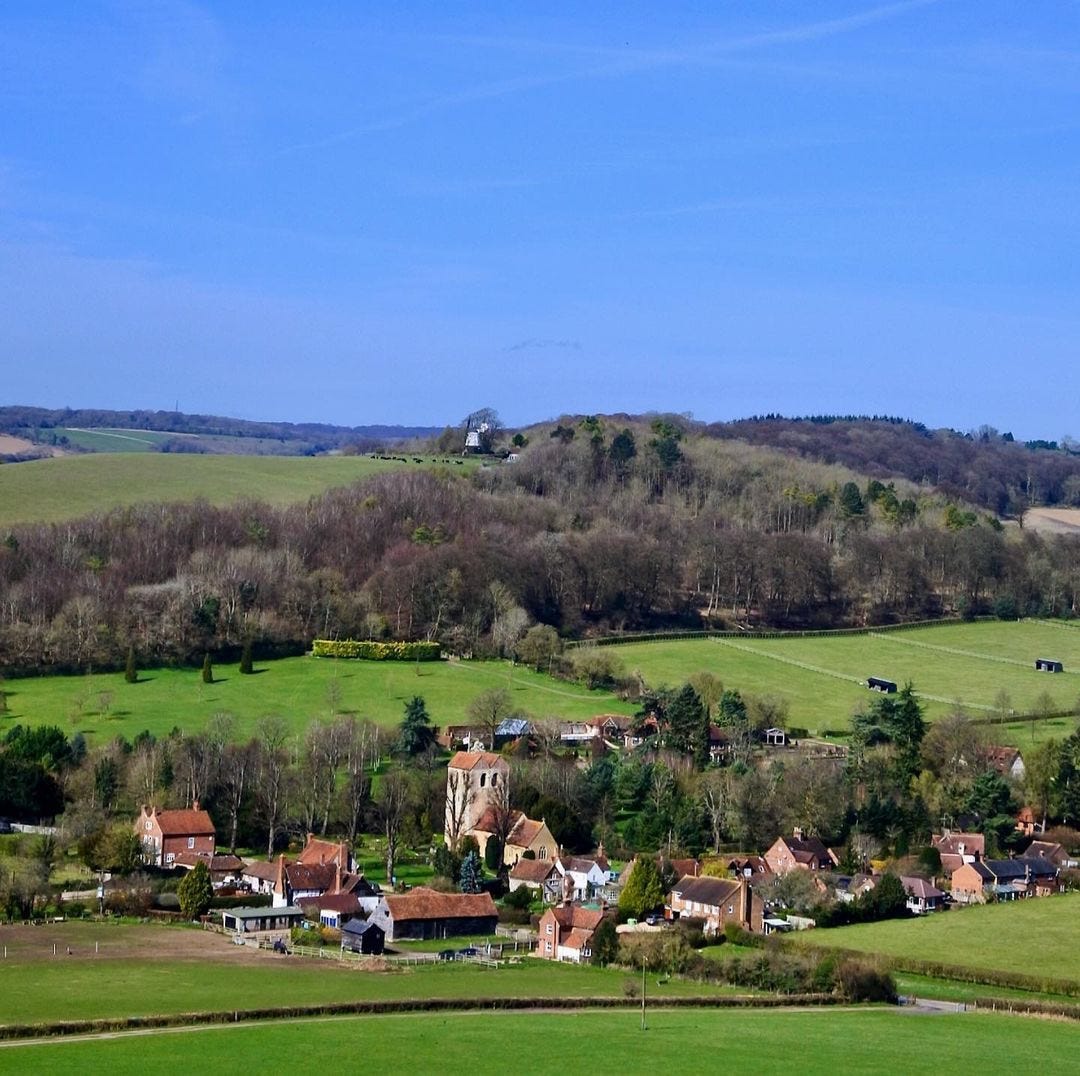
191 842
549 931
731 909
483 779
494 779
149 825
548 945
543 853
170 857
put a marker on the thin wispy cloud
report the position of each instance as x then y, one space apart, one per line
616 64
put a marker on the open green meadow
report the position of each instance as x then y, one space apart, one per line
1028 937
804 1041
50 490
143 969
295 688
823 678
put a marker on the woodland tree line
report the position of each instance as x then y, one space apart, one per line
597 528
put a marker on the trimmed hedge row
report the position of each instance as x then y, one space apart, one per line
372 1008
369 650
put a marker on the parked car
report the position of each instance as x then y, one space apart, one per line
447 954
469 950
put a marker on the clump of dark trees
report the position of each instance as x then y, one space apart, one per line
597 528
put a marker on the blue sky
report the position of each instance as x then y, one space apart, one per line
400 212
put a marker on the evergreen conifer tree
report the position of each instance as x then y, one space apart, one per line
246 658
207 670
131 672
195 892
644 889
471 876
415 733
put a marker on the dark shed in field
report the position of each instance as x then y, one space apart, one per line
362 936
1048 665
875 683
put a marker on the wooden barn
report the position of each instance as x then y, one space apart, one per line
1048 665
363 936
876 683
422 914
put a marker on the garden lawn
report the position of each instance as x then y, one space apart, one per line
862 1041
1040 936
103 706
66 487
823 677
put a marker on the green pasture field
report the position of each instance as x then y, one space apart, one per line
295 688
113 440
66 487
823 677
923 986
142 969
1029 937
803 1041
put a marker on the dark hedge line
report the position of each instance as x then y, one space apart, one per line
657 636
362 1008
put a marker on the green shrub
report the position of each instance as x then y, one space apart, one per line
369 650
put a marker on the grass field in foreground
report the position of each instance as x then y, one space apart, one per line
824 677
47 491
143 969
295 688
1029 937
864 1041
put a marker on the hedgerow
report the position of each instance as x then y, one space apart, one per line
370 650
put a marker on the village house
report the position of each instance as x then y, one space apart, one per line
423 914
225 870
565 933
716 901
922 896
1004 879
539 875
1053 852
524 835
799 853
1008 762
323 868
956 849
748 867
587 874
165 834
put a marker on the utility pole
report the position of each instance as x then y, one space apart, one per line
644 965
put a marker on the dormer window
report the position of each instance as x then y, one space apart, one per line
494 779
483 779
149 825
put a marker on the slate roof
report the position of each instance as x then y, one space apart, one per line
577 917
266 872
424 903
920 888
583 864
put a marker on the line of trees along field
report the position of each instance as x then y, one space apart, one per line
598 527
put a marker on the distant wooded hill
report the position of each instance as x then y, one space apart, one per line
32 422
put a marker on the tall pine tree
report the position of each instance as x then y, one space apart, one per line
415 733
471 877
207 670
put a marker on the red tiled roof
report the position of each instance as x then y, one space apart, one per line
490 821
525 832
576 939
577 917
319 851
424 903
184 823
532 870
321 876
950 843
468 760
213 863
266 872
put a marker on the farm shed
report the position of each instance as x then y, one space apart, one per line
265 921
1048 665
363 936
775 737
876 683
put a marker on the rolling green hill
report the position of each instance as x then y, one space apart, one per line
823 678
1029 937
295 688
47 491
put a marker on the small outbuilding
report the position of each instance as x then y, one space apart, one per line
261 922
775 737
1048 665
876 683
363 936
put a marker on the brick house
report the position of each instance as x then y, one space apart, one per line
1004 879
799 853
717 901
956 849
165 834
566 933
539 875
